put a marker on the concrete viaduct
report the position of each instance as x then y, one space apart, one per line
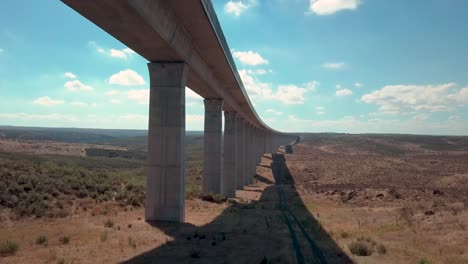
185 46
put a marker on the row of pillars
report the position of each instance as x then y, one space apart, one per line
229 162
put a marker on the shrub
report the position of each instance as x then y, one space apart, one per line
41 240
109 223
103 236
344 234
8 248
424 261
64 240
132 242
360 248
381 249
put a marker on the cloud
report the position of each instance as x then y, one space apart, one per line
312 86
286 94
134 117
70 75
140 96
395 99
189 94
76 86
124 53
290 94
1 50
333 65
344 92
114 101
121 54
259 72
35 117
237 7
329 7
79 104
320 110
250 58
112 92
273 111
358 85
127 78
47 101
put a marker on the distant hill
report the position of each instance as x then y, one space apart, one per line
132 139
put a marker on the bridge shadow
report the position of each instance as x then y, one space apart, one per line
251 232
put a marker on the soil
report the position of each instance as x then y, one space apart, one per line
407 194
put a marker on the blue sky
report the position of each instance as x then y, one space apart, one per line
352 66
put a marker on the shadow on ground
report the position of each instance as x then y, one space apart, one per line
278 228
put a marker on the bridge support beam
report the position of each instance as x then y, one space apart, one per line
165 195
230 155
240 153
212 166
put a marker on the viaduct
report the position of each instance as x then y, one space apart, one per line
185 46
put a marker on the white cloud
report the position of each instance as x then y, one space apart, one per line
70 75
320 110
124 53
344 92
189 94
114 101
127 78
328 7
273 111
79 104
259 72
358 85
47 101
395 99
333 65
250 58
134 117
121 54
236 7
312 86
286 94
76 86
290 94
140 96
35 117
112 92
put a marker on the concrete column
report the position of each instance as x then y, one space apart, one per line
250 155
212 166
165 185
228 186
240 153
246 143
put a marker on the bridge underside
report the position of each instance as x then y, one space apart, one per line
185 45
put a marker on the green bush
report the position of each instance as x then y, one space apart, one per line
381 249
424 261
360 248
64 240
41 240
344 234
103 236
109 223
8 248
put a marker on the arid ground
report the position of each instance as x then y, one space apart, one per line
395 198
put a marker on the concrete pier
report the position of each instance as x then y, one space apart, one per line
240 153
230 155
166 149
212 166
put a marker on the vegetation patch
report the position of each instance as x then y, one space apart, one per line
360 248
8 248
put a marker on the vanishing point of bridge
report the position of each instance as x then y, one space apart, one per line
185 46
